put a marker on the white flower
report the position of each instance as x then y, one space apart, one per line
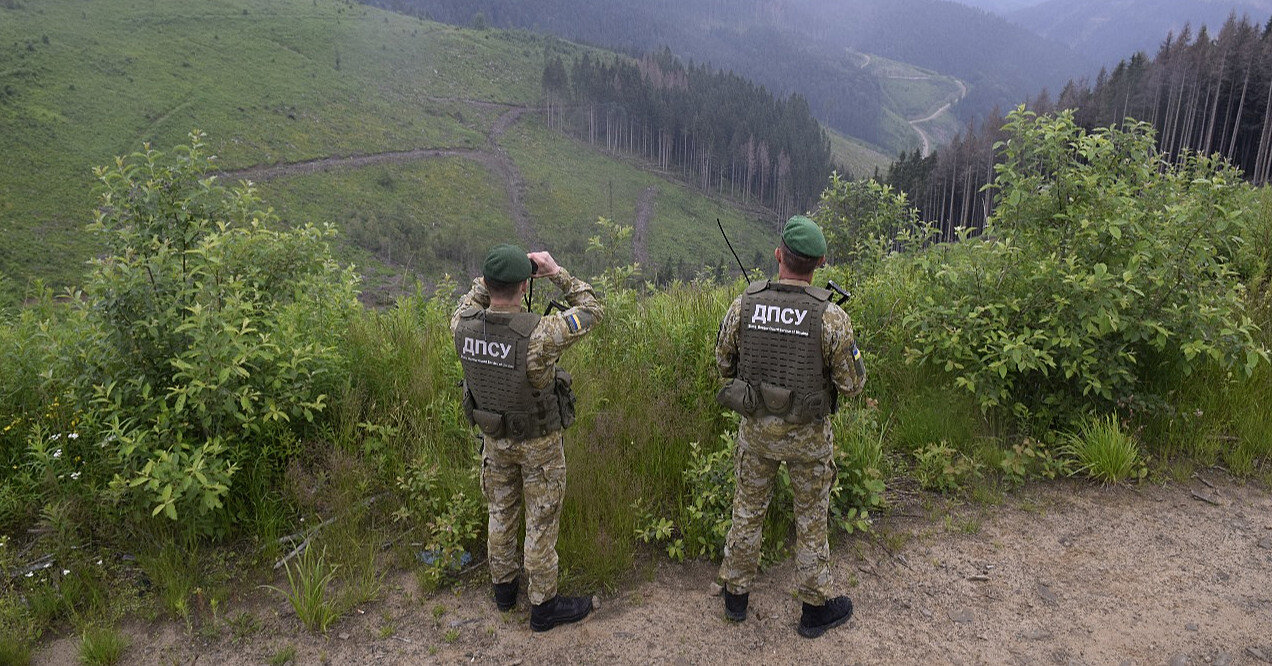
57 453
75 476
54 438
99 561
30 574
66 572
74 435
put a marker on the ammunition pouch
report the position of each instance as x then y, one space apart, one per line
743 398
490 423
777 400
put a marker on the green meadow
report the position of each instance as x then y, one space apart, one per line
282 82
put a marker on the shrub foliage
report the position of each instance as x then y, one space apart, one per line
1103 266
210 337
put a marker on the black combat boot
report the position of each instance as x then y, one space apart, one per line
506 595
817 619
735 605
559 610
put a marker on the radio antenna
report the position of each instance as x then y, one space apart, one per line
745 272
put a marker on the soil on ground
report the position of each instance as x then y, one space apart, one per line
1058 573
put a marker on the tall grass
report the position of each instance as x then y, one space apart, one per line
1102 451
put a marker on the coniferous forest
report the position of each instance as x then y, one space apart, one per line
1202 93
716 130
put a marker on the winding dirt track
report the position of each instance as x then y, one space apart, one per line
917 124
494 157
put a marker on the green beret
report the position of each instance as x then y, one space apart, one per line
804 236
508 264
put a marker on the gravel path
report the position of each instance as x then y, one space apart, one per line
1063 573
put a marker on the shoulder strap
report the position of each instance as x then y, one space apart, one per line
818 293
470 312
757 286
523 323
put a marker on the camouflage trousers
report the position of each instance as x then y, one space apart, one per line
763 444
531 473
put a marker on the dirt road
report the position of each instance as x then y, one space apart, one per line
494 157
1066 573
916 124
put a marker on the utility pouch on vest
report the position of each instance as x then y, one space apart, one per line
490 423
814 406
777 400
738 396
517 425
469 404
565 397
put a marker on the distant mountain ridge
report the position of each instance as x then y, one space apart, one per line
1109 30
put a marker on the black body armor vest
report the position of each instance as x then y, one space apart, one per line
498 395
780 357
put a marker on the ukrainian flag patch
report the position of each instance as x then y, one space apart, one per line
856 353
572 320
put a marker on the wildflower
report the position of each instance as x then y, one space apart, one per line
30 574
75 476
55 437
74 435
99 561
66 572
57 453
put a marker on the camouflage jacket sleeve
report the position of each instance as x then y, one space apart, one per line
558 331
727 340
476 297
840 349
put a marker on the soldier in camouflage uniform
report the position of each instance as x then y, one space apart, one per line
522 402
787 353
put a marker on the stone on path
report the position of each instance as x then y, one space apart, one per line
1047 595
1179 660
962 616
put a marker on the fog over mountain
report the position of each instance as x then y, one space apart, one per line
1001 6
1108 31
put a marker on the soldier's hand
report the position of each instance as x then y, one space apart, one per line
547 266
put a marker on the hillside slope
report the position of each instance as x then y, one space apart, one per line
282 82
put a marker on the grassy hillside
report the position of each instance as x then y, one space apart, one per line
271 82
858 157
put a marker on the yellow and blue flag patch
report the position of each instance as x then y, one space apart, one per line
572 320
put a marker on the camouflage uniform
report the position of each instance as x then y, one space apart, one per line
808 450
531 471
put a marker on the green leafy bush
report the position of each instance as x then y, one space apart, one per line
865 221
210 334
1102 264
